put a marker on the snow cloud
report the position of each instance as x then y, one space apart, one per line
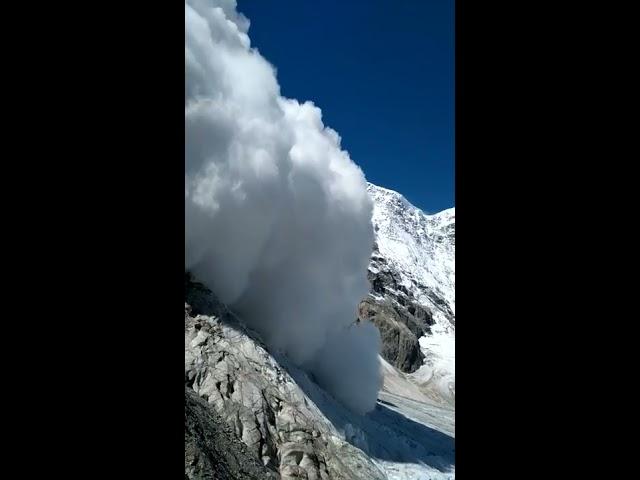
277 216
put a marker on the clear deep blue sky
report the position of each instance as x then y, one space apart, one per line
383 74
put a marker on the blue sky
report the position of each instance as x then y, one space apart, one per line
383 74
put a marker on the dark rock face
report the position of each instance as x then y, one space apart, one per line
399 317
400 345
211 448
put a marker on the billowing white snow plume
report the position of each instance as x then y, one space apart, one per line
277 216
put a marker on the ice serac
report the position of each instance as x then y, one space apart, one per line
412 298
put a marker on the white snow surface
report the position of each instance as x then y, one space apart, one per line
401 394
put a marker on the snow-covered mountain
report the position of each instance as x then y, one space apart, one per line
250 412
419 246
412 272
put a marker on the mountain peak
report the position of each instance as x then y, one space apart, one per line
386 195
418 245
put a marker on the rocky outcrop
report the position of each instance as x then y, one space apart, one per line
400 345
399 317
231 370
211 448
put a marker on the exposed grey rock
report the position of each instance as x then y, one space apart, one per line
400 345
228 366
400 318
